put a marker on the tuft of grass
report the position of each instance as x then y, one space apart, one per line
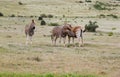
11 45
91 45
2 49
88 1
113 16
113 28
13 15
45 75
38 59
8 36
70 45
1 14
110 33
20 3
53 24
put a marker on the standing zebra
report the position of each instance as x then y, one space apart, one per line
29 31
76 32
60 32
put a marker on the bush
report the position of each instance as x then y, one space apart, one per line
40 18
91 27
43 22
100 6
31 16
50 16
43 15
63 16
20 3
53 24
101 16
46 16
113 28
1 14
20 16
79 1
88 1
112 15
110 33
12 15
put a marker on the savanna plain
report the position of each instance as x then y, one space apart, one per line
99 57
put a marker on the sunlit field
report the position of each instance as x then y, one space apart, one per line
99 57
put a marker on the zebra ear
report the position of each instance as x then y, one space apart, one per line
33 21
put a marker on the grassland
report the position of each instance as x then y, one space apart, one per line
100 55
44 75
55 7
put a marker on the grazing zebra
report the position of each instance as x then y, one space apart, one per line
29 31
60 32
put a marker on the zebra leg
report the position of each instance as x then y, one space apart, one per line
60 39
82 41
78 36
64 39
52 38
79 42
81 35
30 38
55 40
68 39
27 39
73 40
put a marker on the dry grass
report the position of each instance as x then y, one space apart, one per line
100 54
57 8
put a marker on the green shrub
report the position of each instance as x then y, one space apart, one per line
43 22
102 16
31 16
12 15
20 16
46 16
88 1
110 33
109 15
103 6
91 27
40 18
79 1
100 6
113 28
63 16
1 14
112 15
115 16
53 24
20 3
50 16
43 15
